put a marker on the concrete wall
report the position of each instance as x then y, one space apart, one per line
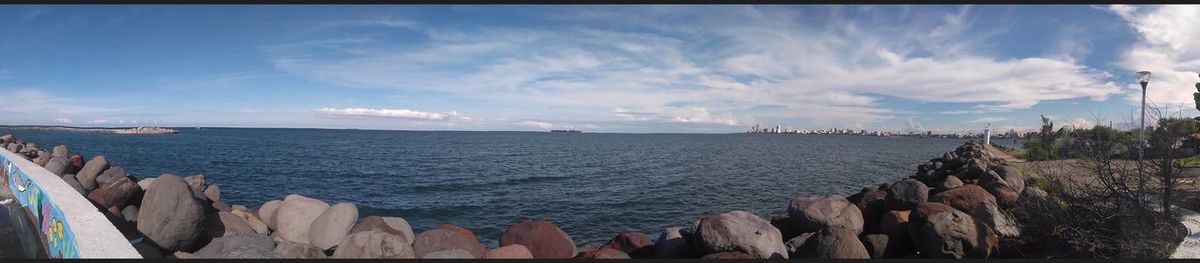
71 227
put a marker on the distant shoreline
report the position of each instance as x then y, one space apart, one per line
114 130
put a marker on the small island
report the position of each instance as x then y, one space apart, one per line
118 130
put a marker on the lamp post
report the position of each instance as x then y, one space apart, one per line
1143 77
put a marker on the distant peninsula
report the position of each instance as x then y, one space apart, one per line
118 130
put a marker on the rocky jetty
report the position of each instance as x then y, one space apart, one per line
953 207
130 130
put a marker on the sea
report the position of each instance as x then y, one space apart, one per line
592 185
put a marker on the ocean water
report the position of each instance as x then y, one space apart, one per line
593 185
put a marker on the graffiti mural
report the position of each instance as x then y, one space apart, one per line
57 237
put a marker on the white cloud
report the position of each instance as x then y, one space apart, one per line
1168 46
835 72
394 113
98 121
537 124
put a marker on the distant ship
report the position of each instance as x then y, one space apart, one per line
574 131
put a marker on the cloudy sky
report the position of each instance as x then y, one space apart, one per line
595 68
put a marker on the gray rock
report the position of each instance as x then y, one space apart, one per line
374 244
115 172
334 224
839 243
252 219
298 250
196 182
813 214
954 234
441 239
41 160
672 244
70 179
61 151
116 193
58 165
213 193
801 247
247 246
267 213
391 225
1011 176
169 216
145 183
91 170
223 224
906 195
130 213
741 231
295 216
452 253
15 148
1002 223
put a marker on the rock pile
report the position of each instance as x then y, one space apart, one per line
951 208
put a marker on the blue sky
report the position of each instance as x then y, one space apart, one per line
595 68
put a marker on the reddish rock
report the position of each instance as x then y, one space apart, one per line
76 162
634 244
117 192
438 239
460 230
515 251
542 238
610 253
966 198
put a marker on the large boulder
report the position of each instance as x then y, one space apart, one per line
295 215
8 138
1005 195
875 244
872 205
91 170
267 213
169 216
146 183
951 182
42 160
542 238
1012 176
812 214
117 192
70 179
954 234
459 229
252 219
287 249
800 247
839 243
58 165
249 246
442 239
61 151
965 198
392 225
224 224
115 172
374 244
906 195
334 224
672 244
634 244
1003 224
742 231
515 251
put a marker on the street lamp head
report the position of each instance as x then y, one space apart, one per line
1143 77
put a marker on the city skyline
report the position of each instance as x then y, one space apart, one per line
640 69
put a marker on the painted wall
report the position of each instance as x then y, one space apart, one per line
61 214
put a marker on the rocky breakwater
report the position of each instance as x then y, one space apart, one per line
952 208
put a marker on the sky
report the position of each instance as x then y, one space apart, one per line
686 69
